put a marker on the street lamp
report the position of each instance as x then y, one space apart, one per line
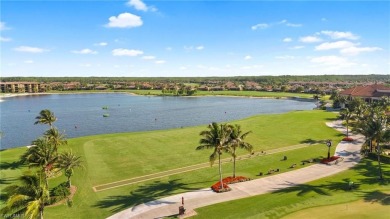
329 144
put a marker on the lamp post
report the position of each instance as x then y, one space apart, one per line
329 144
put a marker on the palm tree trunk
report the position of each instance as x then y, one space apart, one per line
220 169
41 213
69 183
370 145
234 165
347 129
379 161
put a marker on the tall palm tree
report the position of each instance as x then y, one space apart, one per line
380 131
346 115
42 155
28 198
45 117
216 138
68 161
55 137
237 141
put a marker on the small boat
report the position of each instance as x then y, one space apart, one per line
105 107
106 115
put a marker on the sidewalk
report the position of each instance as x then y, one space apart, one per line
170 205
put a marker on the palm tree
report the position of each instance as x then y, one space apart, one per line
237 140
45 117
347 116
68 161
42 155
378 129
217 138
55 138
29 198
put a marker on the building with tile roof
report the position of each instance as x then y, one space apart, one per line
368 93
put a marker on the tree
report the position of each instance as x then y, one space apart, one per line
29 198
216 138
42 155
378 130
55 138
45 117
68 161
237 141
347 116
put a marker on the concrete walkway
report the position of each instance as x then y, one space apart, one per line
170 205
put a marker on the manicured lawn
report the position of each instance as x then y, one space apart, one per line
358 210
113 157
324 192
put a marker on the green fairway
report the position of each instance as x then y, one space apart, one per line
112 157
324 192
358 210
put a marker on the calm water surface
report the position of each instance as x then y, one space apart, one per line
82 114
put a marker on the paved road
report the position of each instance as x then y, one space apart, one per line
169 205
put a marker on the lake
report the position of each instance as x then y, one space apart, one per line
82 114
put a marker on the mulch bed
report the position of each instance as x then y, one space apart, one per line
228 180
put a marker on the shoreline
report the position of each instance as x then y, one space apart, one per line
9 95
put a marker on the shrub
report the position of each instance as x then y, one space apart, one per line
60 192
228 180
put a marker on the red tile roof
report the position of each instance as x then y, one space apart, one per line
374 90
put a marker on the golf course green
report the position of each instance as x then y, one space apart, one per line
121 156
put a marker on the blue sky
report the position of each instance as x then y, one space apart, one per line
194 38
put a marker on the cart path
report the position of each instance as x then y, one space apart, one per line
169 206
161 174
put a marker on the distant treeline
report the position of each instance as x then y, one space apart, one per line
259 79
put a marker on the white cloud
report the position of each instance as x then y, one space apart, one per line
125 20
3 26
84 51
260 26
286 57
331 61
297 47
199 47
4 39
334 45
287 40
29 61
30 49
148 57
282 22
248 57
288 24
126 52
140 5
189 48
340 35
101 44
357 50
160 61
310 39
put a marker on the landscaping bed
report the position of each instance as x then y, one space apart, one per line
228 180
